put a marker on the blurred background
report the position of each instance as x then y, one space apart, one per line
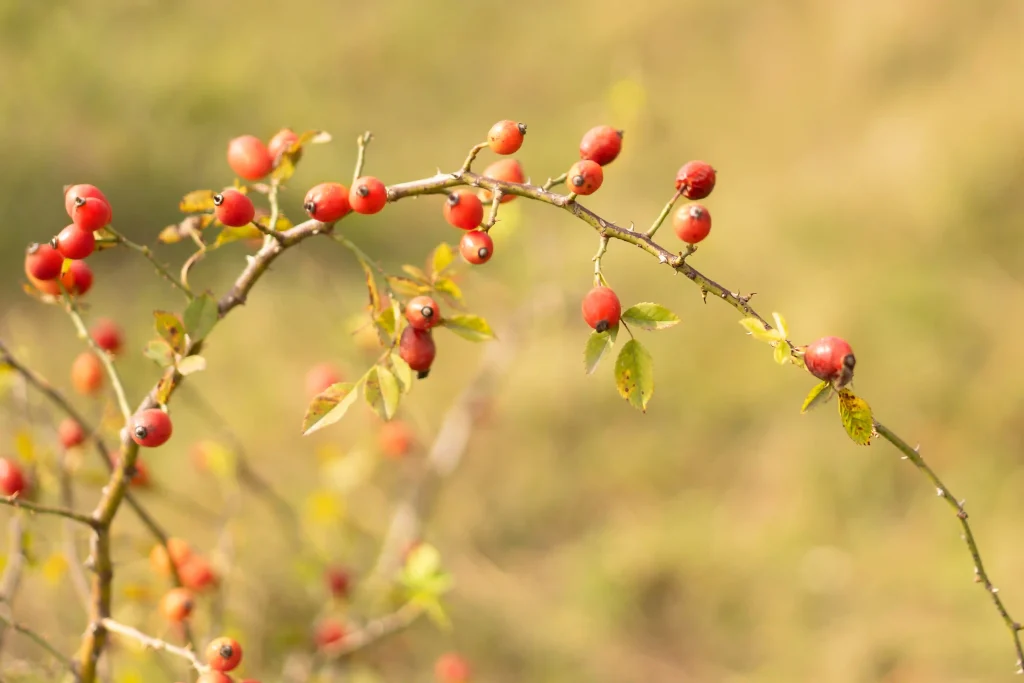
870 158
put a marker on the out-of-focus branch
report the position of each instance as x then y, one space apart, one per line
15 501
11 578
155 644
41 642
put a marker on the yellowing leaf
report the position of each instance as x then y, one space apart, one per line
634 374
441 258
648 316
171 330
24 445
821 393
780 325
197 201
471 327
406 286
158 351
371 286
416 273
228 235
329 406
324 508
757 330
598 343
782 355
54 568
191 365
381 391
447 286
856 416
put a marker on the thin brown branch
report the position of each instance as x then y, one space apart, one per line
148 254
155 644
41 642
376 630
15 501
10 581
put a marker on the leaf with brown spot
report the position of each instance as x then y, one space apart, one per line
329 406
171 330
634 374
856 416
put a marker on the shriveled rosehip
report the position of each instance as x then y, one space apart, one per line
601 308
422 312
87 373
151 428
197 573
477 247
321 376
91 213
78 279
584 177
696 179
507 170
338 580
70 433
223 654
180 553
692 223
463 209
214 677
601 144
327 202
395 439
368 195
74 243
249 158
177 604
108 336
83 191
234 209
451 668
416 347
43 262
328 632
506 137
831 359
12 479
282 140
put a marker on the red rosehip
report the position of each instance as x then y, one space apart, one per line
831 359
84 191
368 195
327 202
321 376
696 179
78 279
692 223
339 581
249 158
43 262
197 574
422 312
87 373
91 213
395 439
108 336
180 553
177 605
223 654
74 243
328 632
416 347
51 287
12 479
507 170
151 428
451 668
477 247
463 209
506 137
70 433
584 177
601 308
601 144
139 474
279 144
214 677
234 209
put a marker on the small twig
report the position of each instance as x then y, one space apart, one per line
148 253
376 630
15 501
365 258
41 642
362 142
11 578
552 182
664 213
602 247
493 217
105 358
155 644
471 157
67 499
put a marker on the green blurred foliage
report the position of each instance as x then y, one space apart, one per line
870 159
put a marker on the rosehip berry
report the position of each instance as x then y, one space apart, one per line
416 347
249 158
477 247
507 170
91 214
506 137
339 581
422 312
831 359
214 677
108 336
70 433
601 144
601 308
83 191
151 428
43 262
180 553
463 209
87 373
50 287
327 202
328 632
692 223
12 480
282 140
177 605
368 195
139 475
223 654
321 376
451 668
78 279
234 209
196 574
74 243
395 439
696 179
585 177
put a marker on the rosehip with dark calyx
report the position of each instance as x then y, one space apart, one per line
451 668
107 335
692 223
422 312
507 170
197 574
233 208
695 179
327 202
74 243
91 213
12 479
463 209
249 158
223 654
78 280
584 177
830 359
87 373
601 308
43 262
506 137
477 247
282 140
70 433
368 195
416 347
82 191
601 144
151 428
177 604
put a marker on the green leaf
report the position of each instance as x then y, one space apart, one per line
782 354
191 365
821 393
402 371
648 316
197 201
780 325
447 286
200 317
634 374
228 235
598 343
371 286
471 327
329 406
405 286
382 392
441 258
387 321
856 416
159 352
432 607
416 273
423 563
757 330
170 329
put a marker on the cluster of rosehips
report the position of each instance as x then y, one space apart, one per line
416 345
